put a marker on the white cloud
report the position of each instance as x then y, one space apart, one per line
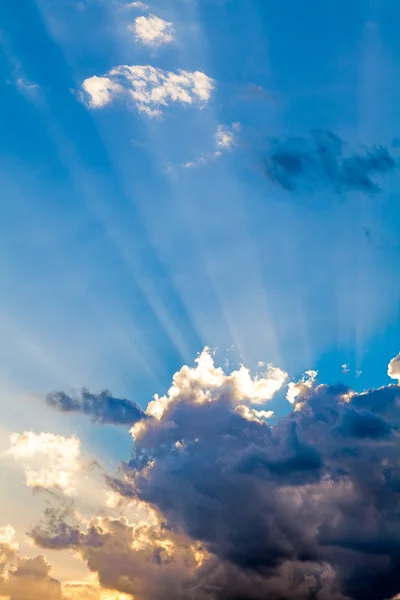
253 415
394 368
50 461
225 137
148 88
152 31
138 5
225 140
297 390
101 90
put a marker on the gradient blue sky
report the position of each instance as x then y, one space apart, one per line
118 265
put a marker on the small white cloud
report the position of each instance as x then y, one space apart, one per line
225 136
148 88
138 5
152 31
50 461
101 90
394 368
225 140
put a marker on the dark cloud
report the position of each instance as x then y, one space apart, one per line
101 408
305 510
323 160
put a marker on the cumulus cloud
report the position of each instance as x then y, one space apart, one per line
101 408
50 461
296 390
152 31
23 578
148 88
226 137
324 160
394 368
306 509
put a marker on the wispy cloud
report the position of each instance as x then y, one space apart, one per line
138 5
226 137
152 31
149 88
323 160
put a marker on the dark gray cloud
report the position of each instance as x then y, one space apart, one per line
307 509
323 160
101 408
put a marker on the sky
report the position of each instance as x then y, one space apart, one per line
199 260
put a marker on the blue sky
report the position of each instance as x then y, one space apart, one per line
130 241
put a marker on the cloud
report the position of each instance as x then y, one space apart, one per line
238 509
148 88
394 368
138 5
296 391
225 139
23 578
101 408
50 461
152 31
324 161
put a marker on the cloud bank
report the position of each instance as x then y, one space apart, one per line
323 160
101 408
148 88
240 510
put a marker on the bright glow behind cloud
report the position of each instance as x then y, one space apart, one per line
149 88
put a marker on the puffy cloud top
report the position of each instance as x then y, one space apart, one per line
394 368
149 88
152 31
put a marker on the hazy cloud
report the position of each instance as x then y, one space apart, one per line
226 137
50 461
323 160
